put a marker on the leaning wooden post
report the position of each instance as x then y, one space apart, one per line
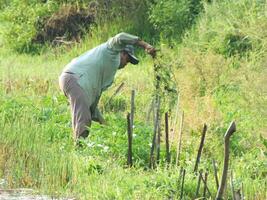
116 92
129 160
182 188
180 139
215 173
168 156
200 146
174 122
231 129
205 186
198 183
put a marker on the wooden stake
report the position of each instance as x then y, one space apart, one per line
168 156
182 188
205 185
151 108
200 146
156 122
116 92
231 129
174 123
198 183
158 142
129 160
132 110
180 139
215 173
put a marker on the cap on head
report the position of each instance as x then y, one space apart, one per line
132 58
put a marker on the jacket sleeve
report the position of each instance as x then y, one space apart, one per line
96 115
119 41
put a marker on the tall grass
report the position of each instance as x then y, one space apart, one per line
36 145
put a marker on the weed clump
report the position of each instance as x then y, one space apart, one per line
165 85
236 45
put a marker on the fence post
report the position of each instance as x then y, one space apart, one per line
231 129
129 160
180 139
168 156
200 146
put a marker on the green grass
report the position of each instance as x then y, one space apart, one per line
36 145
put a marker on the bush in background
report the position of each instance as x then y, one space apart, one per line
22 17
29 22
171 17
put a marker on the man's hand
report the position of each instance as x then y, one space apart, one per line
102 122
151 50
148 48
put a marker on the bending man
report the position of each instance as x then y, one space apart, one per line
85 78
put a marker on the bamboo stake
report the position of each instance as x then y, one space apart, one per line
151 163
215 173
180 139
198 183
205 185
168 156
200 146
129 160
179 181
182 188
231 129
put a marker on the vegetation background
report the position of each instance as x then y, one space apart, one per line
216 52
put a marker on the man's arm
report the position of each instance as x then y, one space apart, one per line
119 41
147 47
97 116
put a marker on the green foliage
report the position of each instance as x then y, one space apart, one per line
22 17
171 18
220 71
165 84
115 104
129 16
3 3
236 45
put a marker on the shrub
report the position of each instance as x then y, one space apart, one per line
171 17
22 18
236 44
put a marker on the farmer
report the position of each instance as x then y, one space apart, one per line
85 78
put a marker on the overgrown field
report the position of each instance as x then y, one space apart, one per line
218 64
